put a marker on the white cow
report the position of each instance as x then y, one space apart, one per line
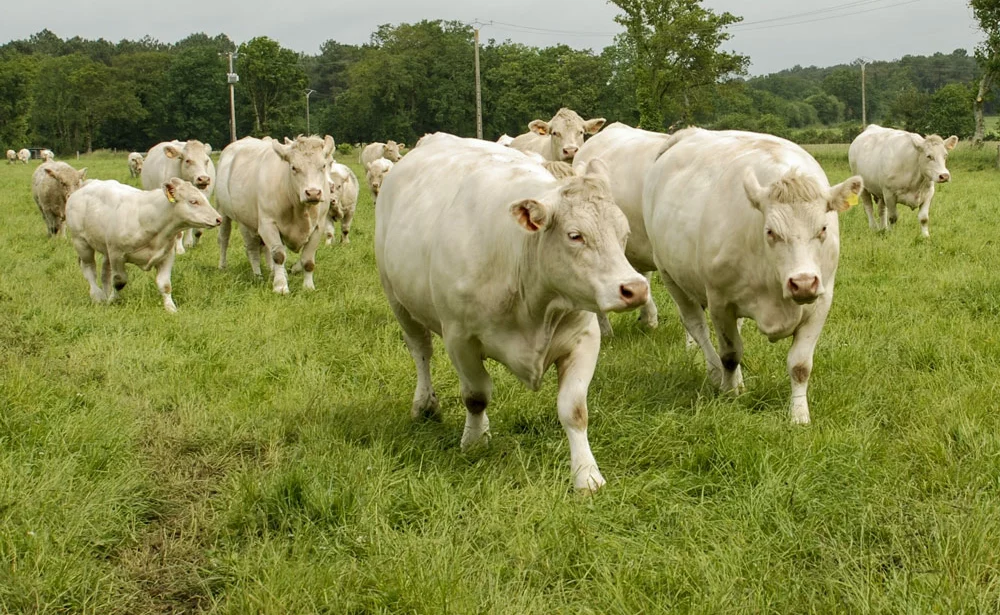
899 167
745 225
24 155
51 185
505 140
344 188
484 247
373 151
560 137
128 225
135 164
376 173
188 160
629 153
278 193
11 156
47 155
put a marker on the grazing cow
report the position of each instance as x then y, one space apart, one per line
344 188
128 225
484 247
51 185
899 167
11 156
745 225
279 195
629 153
47 155
376 173
505 140
135 164
374 151
24 155
560 137
188 160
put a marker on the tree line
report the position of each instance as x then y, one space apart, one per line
665 70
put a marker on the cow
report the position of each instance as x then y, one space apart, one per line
899 167
47 155
629 153
11 156
505 140
279 195
373 151
559 138
344 188
745 225
484 247
135 164
189 160
24 155
128 225
51 184
376 174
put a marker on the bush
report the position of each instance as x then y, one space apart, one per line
344 148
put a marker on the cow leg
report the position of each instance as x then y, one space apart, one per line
887 209
604 324
179 243
800 360
106 278
251 243
730 349
418 342
345 226
477 389
225 231
308 260
190 240
119 277
693 317
330 231
576 370
924 215
866 199
163 282
88 264
271 236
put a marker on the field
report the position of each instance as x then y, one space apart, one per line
253 453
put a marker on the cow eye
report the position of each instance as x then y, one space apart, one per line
575 237
295 169
193 201
822 233
929 157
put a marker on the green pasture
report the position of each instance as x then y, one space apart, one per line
253 453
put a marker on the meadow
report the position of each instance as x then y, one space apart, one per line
253 453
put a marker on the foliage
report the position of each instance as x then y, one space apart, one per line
949 112
272 79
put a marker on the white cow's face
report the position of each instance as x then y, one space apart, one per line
932 153
308 160
391 151
795 228
194 159
69 179
190 204
376 174
581 244
566 132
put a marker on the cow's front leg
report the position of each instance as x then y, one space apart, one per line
730 348
179 243
477 387
119 277
889 213
604 325
163 282
308 260
693 317
271 236
345 226
576 370
800 359
924 215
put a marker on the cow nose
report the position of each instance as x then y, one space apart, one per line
202 181
570 151
218 221
314 194
804 287
634 294
944 177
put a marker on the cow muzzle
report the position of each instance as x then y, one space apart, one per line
631 294
202 182
944 178
313 195
569 152
803 288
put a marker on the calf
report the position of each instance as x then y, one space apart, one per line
188 160
135 164
11 156
899 167
376 173
128 225
24 155
483 246
51 185
373 151
47 155
560 137
344 190
746 225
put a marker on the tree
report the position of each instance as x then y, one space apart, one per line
987 13
272 79
17 75
677 57
950 112
828 108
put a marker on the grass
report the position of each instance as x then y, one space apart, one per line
254 453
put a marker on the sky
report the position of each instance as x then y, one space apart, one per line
776 34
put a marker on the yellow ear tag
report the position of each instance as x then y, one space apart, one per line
852 201
173 200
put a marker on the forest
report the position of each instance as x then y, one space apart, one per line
79 95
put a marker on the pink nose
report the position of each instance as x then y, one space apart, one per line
218 221
804 287
314 194
634 294
202 181
944 177
570 151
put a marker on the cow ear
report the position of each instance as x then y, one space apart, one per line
171 152
843 196
596 166
280 149
49 171
755 192
530 214
592 127
918 141
328 145
82 173
288 141
539 127
950 142
170 189
208 149
402 146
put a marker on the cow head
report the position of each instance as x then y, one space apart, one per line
391 151
194 160
336 180
376 173
794 228
581 243
308 159
189 204
136 163
566 132
932 153
69 178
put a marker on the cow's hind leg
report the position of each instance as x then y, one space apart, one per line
866 200
693 317
648 313
251 242
163 282
477 388
345 226
225 231
418 342
88 264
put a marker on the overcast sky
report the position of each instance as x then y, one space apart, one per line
824 32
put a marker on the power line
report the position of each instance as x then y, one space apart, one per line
795 23
828 9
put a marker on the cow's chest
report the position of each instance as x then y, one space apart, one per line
298 229
151 255
776 319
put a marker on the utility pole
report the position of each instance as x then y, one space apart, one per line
479 92
232 78
308 94
864 99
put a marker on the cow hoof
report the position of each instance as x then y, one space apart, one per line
472 442
170 308
588 479
281 290
309 286
98 296
650 321
426 410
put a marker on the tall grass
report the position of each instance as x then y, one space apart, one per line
254 453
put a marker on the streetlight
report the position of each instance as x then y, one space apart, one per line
308 94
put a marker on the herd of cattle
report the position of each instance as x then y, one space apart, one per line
516 250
